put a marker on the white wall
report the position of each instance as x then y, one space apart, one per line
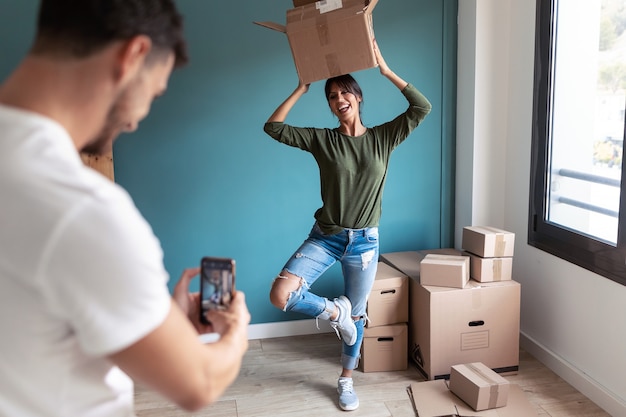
572 320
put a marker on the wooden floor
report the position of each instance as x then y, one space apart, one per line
297 377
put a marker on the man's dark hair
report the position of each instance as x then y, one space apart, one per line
79 28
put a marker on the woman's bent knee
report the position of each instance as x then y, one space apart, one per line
282 288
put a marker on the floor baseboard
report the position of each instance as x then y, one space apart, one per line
288 328
590 388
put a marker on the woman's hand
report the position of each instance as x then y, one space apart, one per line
382 64
302 88
386 71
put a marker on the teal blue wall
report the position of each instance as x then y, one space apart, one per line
208 179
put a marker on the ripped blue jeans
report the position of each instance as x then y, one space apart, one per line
357 250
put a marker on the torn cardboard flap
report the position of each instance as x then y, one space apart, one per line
274 26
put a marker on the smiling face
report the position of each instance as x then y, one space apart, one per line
343 103
344 97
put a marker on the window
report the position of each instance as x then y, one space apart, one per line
577 207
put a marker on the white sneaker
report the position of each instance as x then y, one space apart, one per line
344 325
348 400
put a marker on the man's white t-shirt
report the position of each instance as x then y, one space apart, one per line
81 277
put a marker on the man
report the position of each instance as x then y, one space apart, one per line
83 298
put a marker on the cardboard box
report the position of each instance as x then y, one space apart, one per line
385 348
449 326
488 242
388 302
330 37
409 261
477 385
490 269
433 398
479 323
445 270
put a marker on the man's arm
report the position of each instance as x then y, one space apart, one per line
173 362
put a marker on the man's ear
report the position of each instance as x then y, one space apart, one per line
131 57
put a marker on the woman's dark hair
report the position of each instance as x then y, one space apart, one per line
345 82
79 28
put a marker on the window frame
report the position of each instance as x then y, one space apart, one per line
587 252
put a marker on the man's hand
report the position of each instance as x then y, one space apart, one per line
188 302
235 317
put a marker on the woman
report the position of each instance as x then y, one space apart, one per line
353 161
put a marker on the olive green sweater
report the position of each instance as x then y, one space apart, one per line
353 169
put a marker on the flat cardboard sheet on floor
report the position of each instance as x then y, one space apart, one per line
434 399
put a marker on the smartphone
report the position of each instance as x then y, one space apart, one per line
217 284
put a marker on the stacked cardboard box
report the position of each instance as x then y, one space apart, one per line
385 338
491 252
445 270
449 325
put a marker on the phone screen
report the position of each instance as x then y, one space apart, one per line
217 284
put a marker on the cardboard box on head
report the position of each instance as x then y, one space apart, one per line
330 37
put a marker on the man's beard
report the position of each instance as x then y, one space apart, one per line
103 142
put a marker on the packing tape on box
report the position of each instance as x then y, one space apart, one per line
322 30
477 300
500 245
494 391
332 63
497 269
